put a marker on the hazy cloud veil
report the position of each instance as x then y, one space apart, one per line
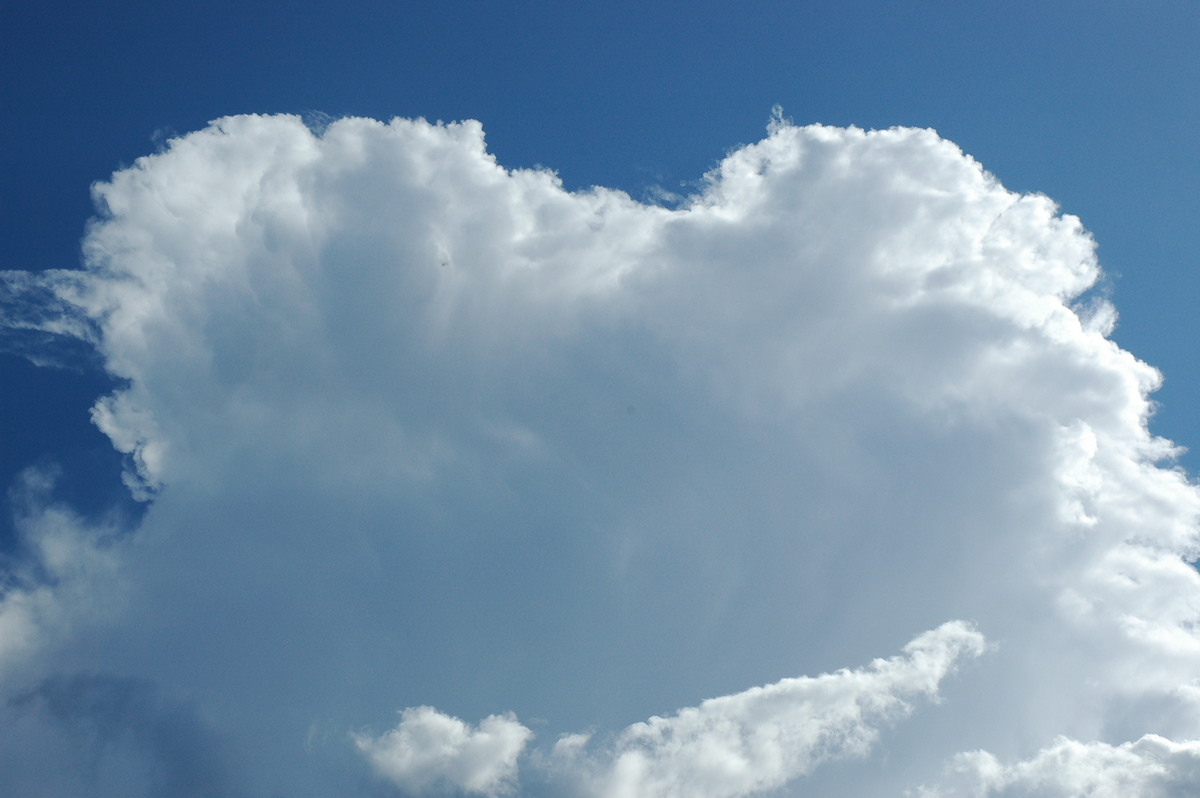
840 440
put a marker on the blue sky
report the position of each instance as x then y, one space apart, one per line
783 425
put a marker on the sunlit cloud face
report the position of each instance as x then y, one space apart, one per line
593 492
430 750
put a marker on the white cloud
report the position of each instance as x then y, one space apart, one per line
1152 767
65 573
764 737
429 750
424 431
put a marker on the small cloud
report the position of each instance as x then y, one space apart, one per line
429 751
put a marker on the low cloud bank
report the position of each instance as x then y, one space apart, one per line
1152 767
764 737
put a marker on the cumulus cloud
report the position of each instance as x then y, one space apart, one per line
423 431
429 749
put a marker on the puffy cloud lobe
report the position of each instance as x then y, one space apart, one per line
767 736
64 575
403 411
403 240
429 750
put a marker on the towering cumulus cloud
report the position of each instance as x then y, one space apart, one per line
840 439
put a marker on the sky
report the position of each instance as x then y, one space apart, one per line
624 401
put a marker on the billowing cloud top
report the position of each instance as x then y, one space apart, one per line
423 432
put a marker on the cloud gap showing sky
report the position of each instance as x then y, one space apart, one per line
824 478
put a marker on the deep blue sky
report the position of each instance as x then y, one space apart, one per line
1094 104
